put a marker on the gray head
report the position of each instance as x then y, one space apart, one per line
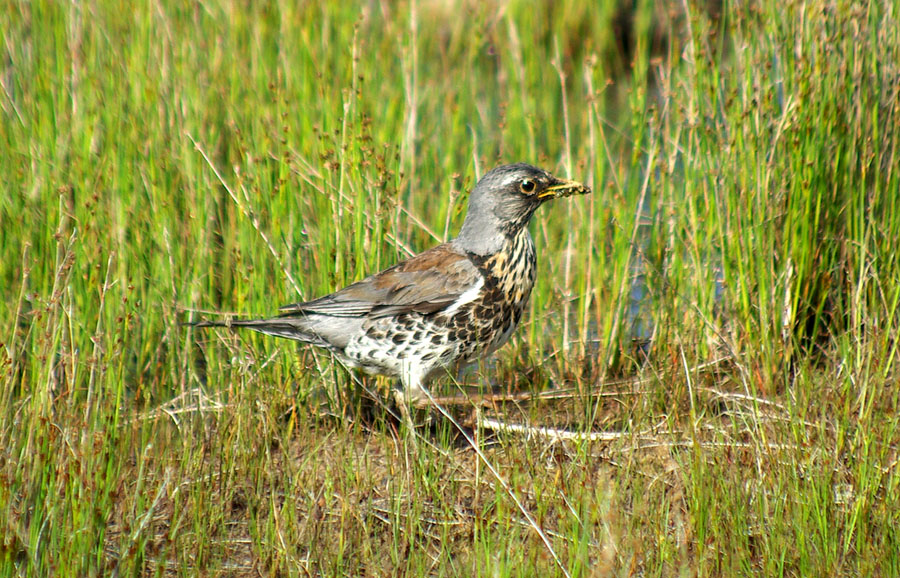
503 201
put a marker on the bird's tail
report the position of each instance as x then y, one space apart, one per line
287 327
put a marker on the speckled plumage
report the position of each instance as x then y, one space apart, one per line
445 307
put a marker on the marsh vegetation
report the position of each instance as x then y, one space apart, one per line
705 383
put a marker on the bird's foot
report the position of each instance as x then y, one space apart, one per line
411 402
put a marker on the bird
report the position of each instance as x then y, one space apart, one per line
442 309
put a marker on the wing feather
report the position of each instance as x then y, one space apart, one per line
426 283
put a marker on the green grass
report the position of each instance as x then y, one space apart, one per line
160 162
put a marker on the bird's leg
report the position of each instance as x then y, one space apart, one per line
410 390
402 403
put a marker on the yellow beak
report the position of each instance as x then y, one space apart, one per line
564 188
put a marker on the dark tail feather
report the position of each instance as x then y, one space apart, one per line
286 327
203 323
206 323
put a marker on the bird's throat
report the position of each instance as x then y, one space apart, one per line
509 273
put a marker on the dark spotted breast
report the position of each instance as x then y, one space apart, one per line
488 321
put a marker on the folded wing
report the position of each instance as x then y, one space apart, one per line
427 283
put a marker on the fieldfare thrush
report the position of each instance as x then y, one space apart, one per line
441 309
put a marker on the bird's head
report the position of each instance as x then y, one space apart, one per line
503 201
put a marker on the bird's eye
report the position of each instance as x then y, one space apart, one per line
526 186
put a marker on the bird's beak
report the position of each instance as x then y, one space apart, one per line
563 188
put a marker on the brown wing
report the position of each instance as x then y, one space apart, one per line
425 283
